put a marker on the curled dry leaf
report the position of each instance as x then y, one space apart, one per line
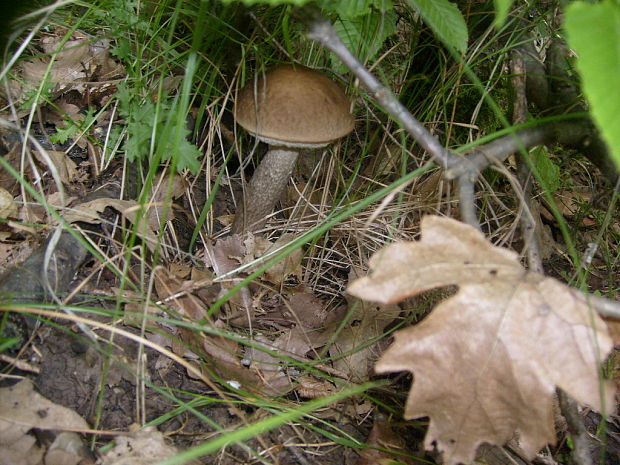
486 361
307 310
313 388
268 368
76 61
164 191
231 252
225 255
352 350
146 223
449 253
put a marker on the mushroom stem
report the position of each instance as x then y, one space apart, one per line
264 190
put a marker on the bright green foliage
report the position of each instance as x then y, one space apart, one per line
187 153
62 135
71 128
363 26
548 171
144 121
123 15
501 11
446 21
364 34
594 33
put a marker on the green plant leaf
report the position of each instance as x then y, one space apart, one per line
353 8
364 35
187 154
62 135
446 21
502 7
593 31
141 119
548 171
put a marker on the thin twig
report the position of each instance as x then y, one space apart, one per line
322 31
519 115
581 439
604 307
466 185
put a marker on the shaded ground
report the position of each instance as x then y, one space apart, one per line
71 375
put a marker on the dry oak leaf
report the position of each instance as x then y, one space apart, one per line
487 360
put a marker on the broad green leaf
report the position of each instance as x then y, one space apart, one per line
502 7
446 21
593 31
364 35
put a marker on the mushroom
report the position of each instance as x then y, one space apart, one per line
291 108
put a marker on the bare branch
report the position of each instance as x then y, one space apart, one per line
321 30
519 115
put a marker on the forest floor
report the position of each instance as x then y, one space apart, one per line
182 344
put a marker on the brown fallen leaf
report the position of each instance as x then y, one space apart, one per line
164 190
178 295
257 246
268 368
89 212
21 410
76 61
486 361
225 255
64 166
449 253
8 207
7 180
352 352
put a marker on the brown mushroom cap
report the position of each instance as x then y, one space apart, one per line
297 107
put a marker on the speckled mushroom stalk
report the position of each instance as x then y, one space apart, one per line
291 108
265 188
